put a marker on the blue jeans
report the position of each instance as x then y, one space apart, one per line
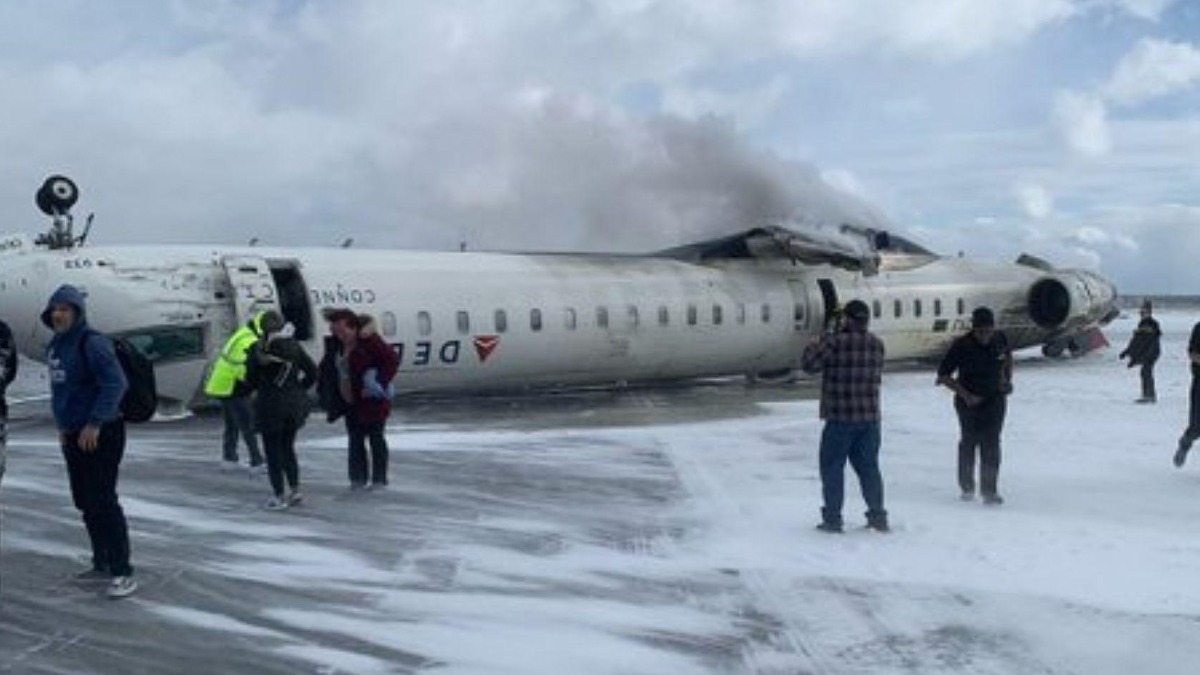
859 443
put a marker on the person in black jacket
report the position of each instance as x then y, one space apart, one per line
281 372
1144 349
983 362
1193 429
8 372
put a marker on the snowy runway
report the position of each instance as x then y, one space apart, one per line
667 531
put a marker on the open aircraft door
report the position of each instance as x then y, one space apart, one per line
801 313
253 285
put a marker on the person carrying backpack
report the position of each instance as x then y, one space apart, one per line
86 386
281 372
227 384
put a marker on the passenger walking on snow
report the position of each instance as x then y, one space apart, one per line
1144 349
851 362
8 372
86 385
356 374
1193 429
281 373
227 384
983 363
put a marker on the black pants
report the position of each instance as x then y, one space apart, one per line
280 446
1193 430
359 433
980 428
93 477
239 419
1148 381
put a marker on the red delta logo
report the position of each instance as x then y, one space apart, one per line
485 345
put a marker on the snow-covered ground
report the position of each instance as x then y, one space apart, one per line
642 532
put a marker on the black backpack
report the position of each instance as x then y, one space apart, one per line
141 396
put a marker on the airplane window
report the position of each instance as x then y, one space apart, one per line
898 308
569 318
464 322
917 308
172 343
664 316
741 313
876 309
424 323
766 313
718 315
937 307
602 317
535 319
962 308
691 313
798 313
388 321
633 316
501 320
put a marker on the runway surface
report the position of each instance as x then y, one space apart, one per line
646 531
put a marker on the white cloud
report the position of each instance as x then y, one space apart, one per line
1082 121
1153 68
1035 200
1151 10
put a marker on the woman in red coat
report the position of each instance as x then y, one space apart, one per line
364 366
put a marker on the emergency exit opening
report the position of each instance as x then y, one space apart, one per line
294 301
829 300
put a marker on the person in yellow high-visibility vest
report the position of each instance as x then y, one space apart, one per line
227 384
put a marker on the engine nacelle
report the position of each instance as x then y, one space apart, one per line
1069 299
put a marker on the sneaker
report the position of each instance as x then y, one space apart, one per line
832 528
121 587
294 497
355 487
229 465
1145 399
377 486
276 503
1180 457
993 500
257 470
93 574
967 496
878 525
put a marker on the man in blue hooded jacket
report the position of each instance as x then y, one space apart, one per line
86 385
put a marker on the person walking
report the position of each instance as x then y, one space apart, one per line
359 366
8 372
850 359
983 363
86 385
227 384
1193 429
281 372
1144 349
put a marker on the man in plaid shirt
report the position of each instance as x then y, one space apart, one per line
851 362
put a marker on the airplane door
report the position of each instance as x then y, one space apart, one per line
829 299
800 309
253 286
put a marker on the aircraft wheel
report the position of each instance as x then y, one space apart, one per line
1053 349
57 195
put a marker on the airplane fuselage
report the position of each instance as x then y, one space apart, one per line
474 321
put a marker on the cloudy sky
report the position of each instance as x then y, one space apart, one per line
1067 128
